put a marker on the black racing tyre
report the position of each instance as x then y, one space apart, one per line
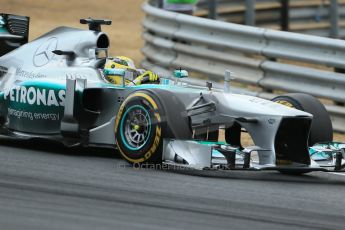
321 127
140 126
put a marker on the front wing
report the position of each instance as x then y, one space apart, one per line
199 155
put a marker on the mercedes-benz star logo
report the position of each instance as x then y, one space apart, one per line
44 54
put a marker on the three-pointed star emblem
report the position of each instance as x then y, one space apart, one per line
44 54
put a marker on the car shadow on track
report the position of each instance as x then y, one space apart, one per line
54 147
271 176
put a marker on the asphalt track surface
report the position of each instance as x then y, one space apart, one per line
45 186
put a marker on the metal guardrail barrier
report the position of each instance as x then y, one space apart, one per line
260 57
317 17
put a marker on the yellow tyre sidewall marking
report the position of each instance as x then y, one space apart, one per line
158 133
286 103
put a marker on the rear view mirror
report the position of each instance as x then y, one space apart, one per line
180 73
2 21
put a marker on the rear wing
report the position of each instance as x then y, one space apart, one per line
14 32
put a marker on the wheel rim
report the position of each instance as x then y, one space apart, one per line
135 127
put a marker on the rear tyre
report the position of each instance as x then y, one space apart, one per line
321 127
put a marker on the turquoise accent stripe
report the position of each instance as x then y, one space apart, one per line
164 87
109 85
124 140
151 86
118 72
211 142
42 84
321 151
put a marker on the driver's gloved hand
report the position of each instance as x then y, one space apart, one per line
147 76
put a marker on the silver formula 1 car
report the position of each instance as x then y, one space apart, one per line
53 88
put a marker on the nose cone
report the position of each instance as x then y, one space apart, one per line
248 105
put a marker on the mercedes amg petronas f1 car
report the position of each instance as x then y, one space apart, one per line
52 88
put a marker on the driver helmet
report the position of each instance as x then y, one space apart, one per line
118 62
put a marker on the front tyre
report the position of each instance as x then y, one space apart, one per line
321 127
138 129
